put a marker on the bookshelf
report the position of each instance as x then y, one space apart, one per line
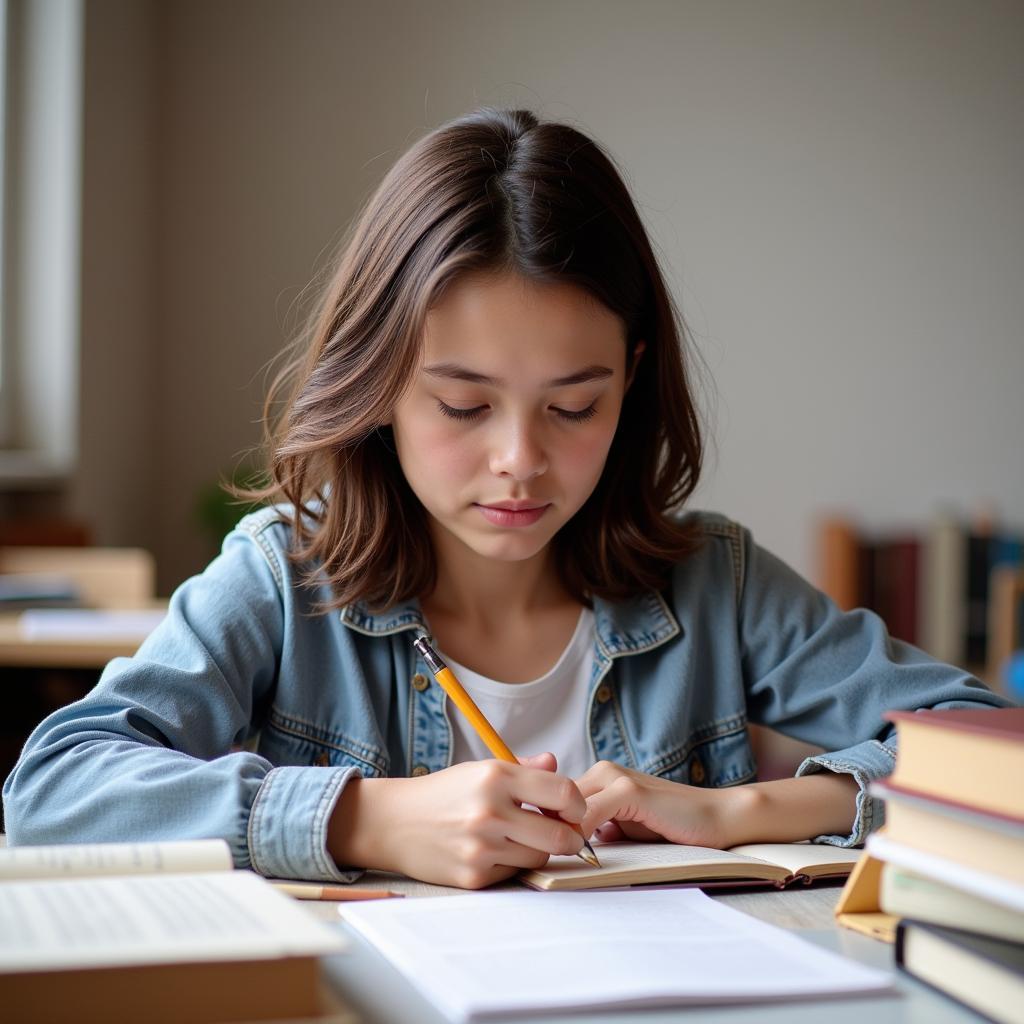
951 587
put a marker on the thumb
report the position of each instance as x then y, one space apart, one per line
546 762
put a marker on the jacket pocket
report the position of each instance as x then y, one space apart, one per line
717 754
287 740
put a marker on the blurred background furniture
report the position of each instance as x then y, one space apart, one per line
43 669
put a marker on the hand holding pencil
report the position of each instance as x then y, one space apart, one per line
496 745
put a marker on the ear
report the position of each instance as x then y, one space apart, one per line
634 361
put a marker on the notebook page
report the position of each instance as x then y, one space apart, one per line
88 859
479 956
93 922
796 856
629 855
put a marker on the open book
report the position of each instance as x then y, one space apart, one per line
153 931
629 863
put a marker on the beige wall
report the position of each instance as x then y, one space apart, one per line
834 188
117 485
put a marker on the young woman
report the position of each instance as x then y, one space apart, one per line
489 437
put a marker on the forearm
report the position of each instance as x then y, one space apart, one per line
789 810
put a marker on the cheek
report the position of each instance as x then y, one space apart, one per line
584 455
433 458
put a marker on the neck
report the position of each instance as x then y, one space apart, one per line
487 592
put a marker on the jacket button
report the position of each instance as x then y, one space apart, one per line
420 769
604 694
420 682
322 761
697 775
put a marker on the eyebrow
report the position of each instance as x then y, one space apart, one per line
453 371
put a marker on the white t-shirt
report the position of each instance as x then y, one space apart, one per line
547 714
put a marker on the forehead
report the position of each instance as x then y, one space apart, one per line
491 315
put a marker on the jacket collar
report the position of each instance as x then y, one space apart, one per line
637 624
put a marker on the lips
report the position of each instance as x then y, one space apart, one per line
514 506
513 513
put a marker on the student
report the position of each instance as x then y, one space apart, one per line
491 434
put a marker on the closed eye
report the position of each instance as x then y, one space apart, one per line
461 414
455 413
580 416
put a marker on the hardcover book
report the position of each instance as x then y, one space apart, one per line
973 756
159 942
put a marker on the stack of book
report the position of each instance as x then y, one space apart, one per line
953 854
947 588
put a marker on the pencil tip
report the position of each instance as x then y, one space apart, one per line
587 853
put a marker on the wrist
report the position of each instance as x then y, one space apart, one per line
358 834
742 813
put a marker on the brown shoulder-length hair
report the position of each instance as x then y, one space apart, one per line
495 190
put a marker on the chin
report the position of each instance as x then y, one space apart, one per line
507 546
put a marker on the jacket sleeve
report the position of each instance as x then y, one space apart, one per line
152 752
824 676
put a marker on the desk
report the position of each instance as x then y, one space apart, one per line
382 996
55 652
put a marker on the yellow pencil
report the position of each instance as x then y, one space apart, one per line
495 744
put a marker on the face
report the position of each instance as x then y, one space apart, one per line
507 424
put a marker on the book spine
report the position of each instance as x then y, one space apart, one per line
838 562
979 550
904 557
943 590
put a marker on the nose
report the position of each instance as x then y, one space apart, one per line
518 452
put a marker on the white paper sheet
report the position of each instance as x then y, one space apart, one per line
486 955
69 625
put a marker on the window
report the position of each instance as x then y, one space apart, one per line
40 214
4 421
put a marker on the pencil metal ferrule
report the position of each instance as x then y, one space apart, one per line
430 656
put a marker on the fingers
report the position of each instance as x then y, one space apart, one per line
544 834
599 777
483 864
609 832
621 800
546 762
549 791
500 782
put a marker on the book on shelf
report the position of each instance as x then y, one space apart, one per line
943 584
201 946
906 893
983 973
1005 623
629 863
21 590
976 839
973 757
931 586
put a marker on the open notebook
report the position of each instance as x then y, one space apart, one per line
628 863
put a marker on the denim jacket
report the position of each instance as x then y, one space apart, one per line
245 713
